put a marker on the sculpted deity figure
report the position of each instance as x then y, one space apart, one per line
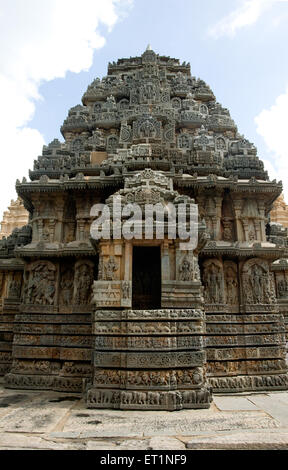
148 92
231 287
125 290
109 269
213 284
83 280
45 290
188 269
111 102
282 288
147 129
258 283
66 288
40 288
228 231
15 289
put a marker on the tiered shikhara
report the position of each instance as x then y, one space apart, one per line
83 315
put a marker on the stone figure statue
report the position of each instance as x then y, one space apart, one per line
82 282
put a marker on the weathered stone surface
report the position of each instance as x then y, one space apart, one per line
51 420
16 441
276 406
238 441
126 423
39 416
166 443
234 403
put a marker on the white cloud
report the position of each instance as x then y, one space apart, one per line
41 41
246 14
272 126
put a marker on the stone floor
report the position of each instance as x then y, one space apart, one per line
60 421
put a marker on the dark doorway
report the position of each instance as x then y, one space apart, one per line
146 274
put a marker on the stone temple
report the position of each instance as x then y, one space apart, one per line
141 323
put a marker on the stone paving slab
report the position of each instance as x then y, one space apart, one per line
42 414
99 424
282 396
20 441
166 443
234 404
241 441
273 406
59 421
131 444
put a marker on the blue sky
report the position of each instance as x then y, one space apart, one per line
237 46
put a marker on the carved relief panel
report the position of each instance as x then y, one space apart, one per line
66 285
251 221
231 283
15 286
69 221
210 210
108 268
109 290
40 283
83 279
147 128
213 281
227 220
188 269
257 282
281 279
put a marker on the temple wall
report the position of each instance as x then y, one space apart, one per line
52 330
245 332
10 286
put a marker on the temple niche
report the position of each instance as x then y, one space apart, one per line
150 319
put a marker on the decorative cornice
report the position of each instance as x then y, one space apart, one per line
234 184
55 253
11 264
212 249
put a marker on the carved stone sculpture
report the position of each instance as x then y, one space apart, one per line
82 282
40 286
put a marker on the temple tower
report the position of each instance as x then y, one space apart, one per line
15 217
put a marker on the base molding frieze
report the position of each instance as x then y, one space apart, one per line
42 382
248 383
152 400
